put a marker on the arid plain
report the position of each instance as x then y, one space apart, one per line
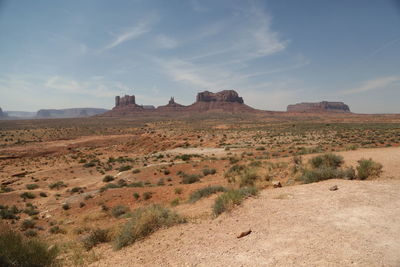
77 183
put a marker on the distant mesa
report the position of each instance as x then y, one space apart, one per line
227 101
323 106
69 113
223 96
223 101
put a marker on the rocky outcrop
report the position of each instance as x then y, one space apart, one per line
69 113
125 100
172 106
223 96
224 101
323 106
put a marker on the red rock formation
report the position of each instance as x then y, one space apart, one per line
223 96
323 106
224 101
125 100
172 106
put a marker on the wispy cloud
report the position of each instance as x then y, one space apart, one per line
375 84
134 32
33 92
166 42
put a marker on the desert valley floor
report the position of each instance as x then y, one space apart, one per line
64 179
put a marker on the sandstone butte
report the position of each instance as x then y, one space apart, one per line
226 101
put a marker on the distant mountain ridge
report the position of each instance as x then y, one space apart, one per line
69 112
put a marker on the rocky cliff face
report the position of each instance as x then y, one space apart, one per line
125 100
223 96
323 106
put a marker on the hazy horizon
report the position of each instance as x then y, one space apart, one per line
80 54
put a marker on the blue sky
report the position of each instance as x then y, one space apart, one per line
61 54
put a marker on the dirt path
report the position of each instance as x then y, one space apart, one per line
305 225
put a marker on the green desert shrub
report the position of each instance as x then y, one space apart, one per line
325 173
108 186
147 195
233 172
135 171
328 160
228 200
28 224
207 171
368 168
95 237
124 168
57 185
178 190
57 230
190 178
108 178
205 192
9 213
136 184
27 195
248 178
119 210
175 202
136 195
16 250
32 186
144 222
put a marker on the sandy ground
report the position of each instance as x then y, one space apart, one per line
304 225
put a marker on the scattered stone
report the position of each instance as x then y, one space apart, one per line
243 234
333 188
276 184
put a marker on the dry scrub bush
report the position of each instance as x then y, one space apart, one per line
95 237
144 222
368 168
228 200
16 250
205 192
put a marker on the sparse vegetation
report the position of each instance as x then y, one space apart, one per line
205 192
119 210
145 221
95 237
32 186
27 195
57 185
368 168
16 250
108 178
228 200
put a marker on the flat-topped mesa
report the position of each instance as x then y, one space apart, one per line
223 96
125 100
323 106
